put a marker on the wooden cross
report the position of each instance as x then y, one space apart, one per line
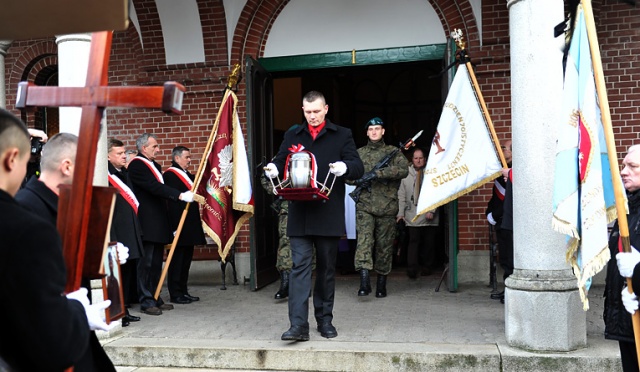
94 97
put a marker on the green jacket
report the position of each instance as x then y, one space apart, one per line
383 198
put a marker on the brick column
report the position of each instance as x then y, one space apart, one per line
543 308
4 46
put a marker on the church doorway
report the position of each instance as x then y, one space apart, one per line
402 86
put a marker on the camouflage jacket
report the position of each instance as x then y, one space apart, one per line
383 198
278 205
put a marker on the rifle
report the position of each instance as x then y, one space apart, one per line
364 182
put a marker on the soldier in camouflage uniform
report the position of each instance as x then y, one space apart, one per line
283 262
376 209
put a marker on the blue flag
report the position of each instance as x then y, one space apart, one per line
583 198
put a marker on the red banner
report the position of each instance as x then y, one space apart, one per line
225 183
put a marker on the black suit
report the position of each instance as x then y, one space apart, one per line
125 228
44 331
317 223
156 230
192 234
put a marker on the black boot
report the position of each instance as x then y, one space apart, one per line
365 283
381 286
283 292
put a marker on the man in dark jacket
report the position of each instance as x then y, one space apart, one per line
45 330
619 303
125 227
148 185
313 222
178 177
40 196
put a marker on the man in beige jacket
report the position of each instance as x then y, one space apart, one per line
422 231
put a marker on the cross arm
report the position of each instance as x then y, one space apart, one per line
167 97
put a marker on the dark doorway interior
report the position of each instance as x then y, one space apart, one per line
408 97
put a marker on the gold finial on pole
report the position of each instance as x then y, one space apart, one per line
457 36
234 77
353 57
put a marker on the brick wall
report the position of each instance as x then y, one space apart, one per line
131 64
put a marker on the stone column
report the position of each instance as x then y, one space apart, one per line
4 46
73 62
543 308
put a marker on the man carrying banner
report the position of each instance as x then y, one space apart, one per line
377 208
178 177
625 265
313 223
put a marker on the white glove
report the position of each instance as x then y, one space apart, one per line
186 196
627 261
338 168
490 219
629 300
271 170
123 253
95 312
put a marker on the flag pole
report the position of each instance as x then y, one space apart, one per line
232 80
457 36
611 149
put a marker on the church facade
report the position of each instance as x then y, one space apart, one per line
370 58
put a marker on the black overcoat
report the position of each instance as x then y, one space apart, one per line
334 143
39 199
125 227
152 195
192 233
43 330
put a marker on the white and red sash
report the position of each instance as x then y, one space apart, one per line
182 175
125 191
152 167
498 189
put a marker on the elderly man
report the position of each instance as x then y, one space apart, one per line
152 194
617 321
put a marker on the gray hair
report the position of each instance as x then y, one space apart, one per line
143 140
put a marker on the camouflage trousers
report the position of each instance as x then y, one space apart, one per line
284 261
377 233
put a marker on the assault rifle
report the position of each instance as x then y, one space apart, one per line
364 182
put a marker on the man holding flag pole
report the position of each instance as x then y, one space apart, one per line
588 182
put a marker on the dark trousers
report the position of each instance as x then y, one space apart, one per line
505 246
149 271
421 249
179 270
629 356
300 278
128 271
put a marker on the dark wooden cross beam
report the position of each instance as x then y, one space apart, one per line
94 97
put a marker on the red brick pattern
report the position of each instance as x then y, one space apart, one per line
135 64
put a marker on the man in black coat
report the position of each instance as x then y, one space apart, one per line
148 185
125 227
40 196
178 177
314 222
44 329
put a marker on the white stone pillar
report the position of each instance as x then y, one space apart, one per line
73 62
543 308
4 46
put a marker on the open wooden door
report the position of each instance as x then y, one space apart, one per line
264 225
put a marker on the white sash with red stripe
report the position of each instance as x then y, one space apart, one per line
125 191
499 189
182 175
152 167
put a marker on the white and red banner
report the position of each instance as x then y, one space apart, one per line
225 183
462 156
